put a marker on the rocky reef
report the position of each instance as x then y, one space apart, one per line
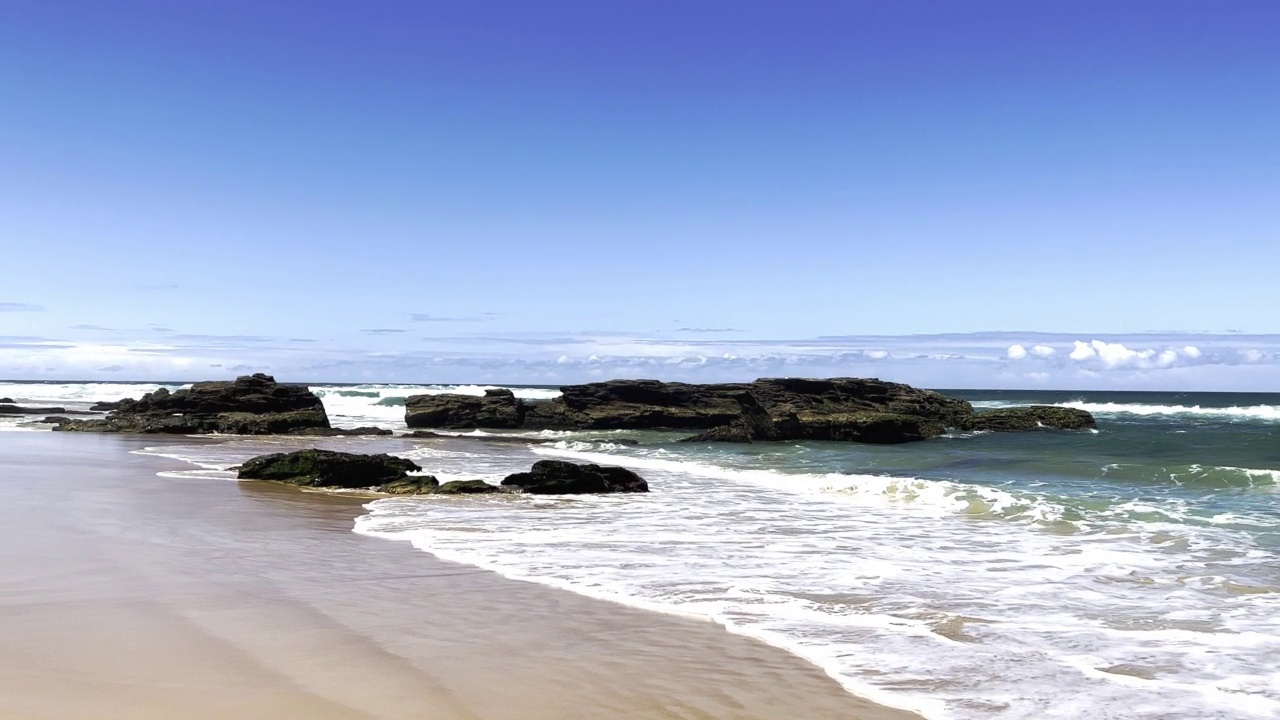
848 409
249 405
389 474
1031 417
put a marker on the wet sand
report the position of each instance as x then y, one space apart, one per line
127 595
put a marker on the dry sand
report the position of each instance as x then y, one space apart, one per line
127 595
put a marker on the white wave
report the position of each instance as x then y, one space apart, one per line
893 587
878 490
77 393
1254 412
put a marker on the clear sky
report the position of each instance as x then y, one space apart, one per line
550 191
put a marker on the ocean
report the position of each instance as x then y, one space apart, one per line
1130 572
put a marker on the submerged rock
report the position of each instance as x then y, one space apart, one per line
412 485
329 468
500 439
1031 417
249 405
498 409
468 487
558 477
341 432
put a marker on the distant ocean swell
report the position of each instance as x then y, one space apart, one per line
1254 412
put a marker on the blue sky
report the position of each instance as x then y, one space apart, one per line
549 192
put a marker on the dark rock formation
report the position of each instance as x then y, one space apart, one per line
735 433
340 432
1032 417
7 401
105 406
865 427
847 409
468 487
499 408
500 439
770 409
251 405
328 468
557 477
10 409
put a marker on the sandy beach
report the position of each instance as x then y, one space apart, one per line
128 595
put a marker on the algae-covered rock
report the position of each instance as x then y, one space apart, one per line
1031 417
558 477
329 468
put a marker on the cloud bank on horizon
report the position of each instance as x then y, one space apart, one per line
1154 361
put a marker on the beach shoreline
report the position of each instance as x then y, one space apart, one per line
129 595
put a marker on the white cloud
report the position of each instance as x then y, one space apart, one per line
1100 354
1046 360
1082 351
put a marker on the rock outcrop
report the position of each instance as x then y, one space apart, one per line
849 409
1031 417
332 469
498 409
250 405
8 408
557 477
